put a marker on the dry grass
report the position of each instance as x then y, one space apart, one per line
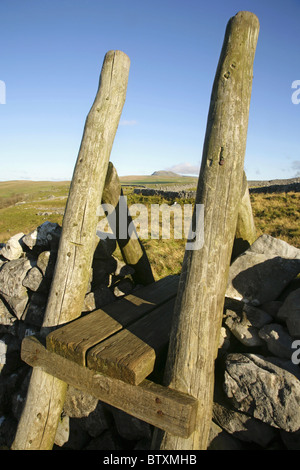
276 214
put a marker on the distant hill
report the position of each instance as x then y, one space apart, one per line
158 177
164 173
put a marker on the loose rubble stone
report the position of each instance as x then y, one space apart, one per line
244 322
12 275
13 248
33 279
79 404
43 237
290 313
222 440
272 308
263 390
262 272
97 299
46 262
244 427
278 341
63 431
256 278
123 287
6 318
271 246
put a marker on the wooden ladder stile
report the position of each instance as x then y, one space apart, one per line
112 353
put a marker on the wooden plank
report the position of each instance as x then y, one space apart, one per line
130 355
74 339
157 405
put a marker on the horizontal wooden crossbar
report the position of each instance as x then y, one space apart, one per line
167 409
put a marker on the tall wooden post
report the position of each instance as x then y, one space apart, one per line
131 248
245 233
200 300
45 398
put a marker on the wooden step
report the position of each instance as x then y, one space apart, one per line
74 339
130 355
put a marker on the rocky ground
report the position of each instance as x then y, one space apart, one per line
257 380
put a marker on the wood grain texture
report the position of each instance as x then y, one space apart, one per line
76 338
200 300
150 402
76 247
245 233
77 240
130 355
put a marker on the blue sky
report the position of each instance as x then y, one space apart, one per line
51 58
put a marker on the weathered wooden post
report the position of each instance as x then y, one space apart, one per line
45 398
131 248
200 299
245 233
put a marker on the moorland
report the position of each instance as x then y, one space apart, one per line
24 205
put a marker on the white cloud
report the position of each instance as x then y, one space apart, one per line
128 123
185 169
296 166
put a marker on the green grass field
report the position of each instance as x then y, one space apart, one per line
25 204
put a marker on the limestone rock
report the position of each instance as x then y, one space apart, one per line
123 287
33 279
270 246
44 237
79 404
12 275
263 390
278 340
13 248
63 431
272 308
97 299
244 322
46 263
258 278
219 439
243 426
6 318
290 313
